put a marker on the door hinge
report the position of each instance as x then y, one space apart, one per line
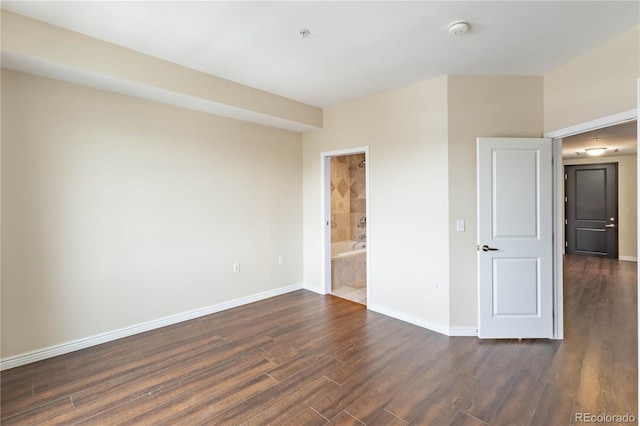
566 244
565 199
566 222
565 176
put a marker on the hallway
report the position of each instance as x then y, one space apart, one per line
596 366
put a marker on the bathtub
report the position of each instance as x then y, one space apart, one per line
348 264
347 249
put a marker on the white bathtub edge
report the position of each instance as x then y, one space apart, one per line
350 253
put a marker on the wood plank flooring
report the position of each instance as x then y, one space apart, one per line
305 359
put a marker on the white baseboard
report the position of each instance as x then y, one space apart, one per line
314 289
439 328
463 331
50 352
628 258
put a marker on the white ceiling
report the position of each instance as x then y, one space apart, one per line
355 48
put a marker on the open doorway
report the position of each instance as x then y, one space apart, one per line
346 224
569 146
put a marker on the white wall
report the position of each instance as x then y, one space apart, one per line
406 131
117 211
627 199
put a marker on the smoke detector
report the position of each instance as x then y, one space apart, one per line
459 28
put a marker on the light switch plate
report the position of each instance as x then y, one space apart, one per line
460 225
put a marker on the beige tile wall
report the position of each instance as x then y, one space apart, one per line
358 202
340 199
348 197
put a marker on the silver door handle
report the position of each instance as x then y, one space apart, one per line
611 225
487 248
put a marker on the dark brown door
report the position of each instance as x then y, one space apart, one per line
592 210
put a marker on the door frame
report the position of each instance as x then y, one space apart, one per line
558 197
325 203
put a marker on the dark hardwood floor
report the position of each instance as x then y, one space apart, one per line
305 359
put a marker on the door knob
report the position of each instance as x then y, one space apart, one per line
487 248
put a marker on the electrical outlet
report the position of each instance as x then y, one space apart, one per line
436 285
281 260
236 267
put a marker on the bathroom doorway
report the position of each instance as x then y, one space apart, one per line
346 225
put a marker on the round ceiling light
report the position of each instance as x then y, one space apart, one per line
595 151
459 28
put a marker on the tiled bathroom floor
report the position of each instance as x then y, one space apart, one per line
358 295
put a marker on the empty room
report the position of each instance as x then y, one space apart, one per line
298 213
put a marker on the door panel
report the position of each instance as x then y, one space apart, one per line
514 178
515 277
516 285
592 210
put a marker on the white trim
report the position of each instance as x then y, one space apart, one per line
325 225
610 120
439 328
558 242
411 319
314 289
628 258
638 245
346 151
51 351
325 213
463 331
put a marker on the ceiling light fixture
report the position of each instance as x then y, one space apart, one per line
305 33
459 28
595 151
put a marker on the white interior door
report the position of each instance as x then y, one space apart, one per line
515 247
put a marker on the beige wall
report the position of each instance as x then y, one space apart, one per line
406 132
117 211
597 84
479 106
627 199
